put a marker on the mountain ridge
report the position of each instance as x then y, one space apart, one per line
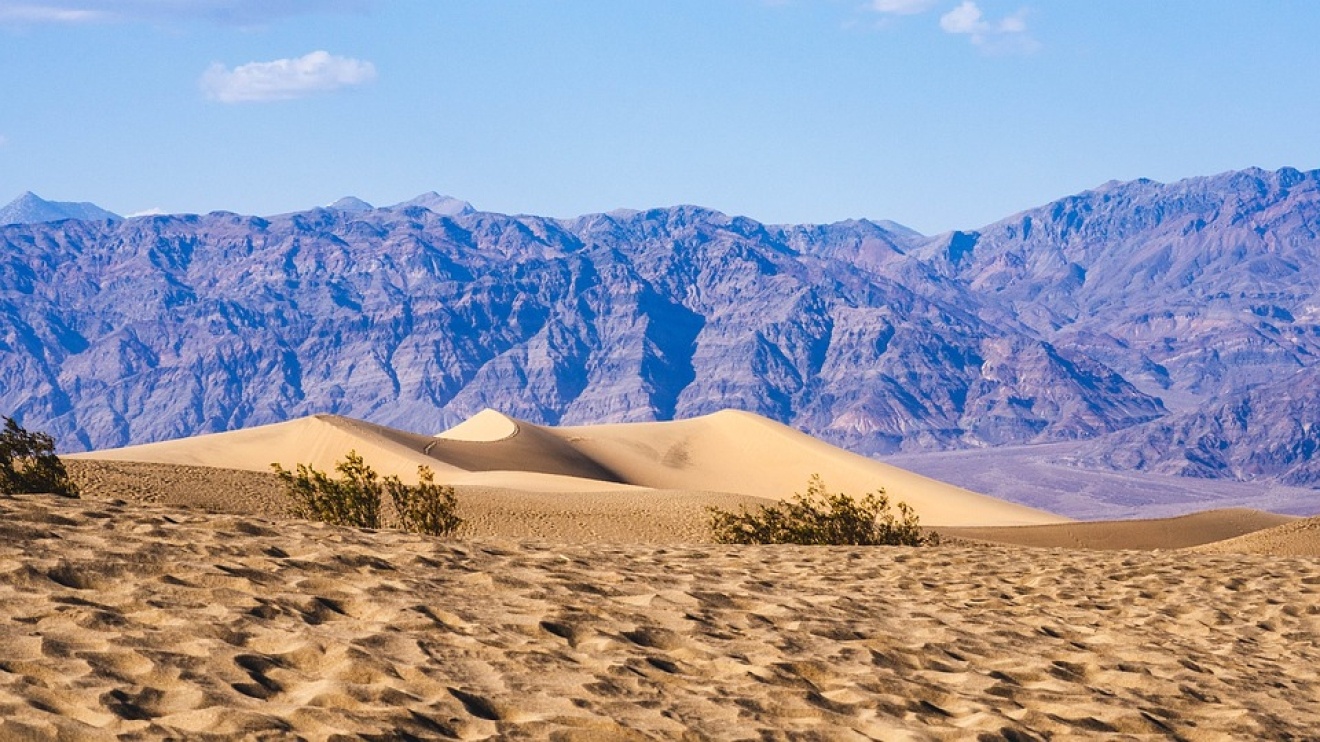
1096 317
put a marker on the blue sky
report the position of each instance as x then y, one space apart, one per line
939 114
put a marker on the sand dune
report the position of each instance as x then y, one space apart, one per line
141 621
1298 538
322 441
739 452
734 453
1158 533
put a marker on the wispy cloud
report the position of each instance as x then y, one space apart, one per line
1006 34
3 140
235 12
153 211
901 7
285 79
25 13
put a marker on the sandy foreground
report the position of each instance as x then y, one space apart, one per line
141 621
582 600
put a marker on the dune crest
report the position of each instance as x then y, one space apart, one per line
728 452
485 427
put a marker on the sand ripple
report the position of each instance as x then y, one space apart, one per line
138 621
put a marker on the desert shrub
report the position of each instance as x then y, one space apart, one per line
352 500
28 463
425 508
355 498
824 518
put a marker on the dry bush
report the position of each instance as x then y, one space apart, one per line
425 508
28 464
355 498
821 517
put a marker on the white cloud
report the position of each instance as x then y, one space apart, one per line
153 211
901 7
965 18
47 13
1006 34
237 12
285 79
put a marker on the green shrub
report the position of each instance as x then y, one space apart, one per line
28 463
352 500
426 508
355 498
821 517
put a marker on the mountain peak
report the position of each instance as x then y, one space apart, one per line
438 204
351 205
29 208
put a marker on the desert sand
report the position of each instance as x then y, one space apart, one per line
582 600
1151 533
1296 538
139 621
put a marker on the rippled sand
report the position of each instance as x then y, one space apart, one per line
146 621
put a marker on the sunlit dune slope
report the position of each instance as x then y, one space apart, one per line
732 451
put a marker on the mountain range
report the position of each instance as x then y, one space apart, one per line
1161 327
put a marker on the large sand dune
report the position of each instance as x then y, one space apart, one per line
733 453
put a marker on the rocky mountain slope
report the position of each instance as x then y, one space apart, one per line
1138 316
1204 293
168 326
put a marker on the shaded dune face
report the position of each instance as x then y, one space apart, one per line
142 621
730 453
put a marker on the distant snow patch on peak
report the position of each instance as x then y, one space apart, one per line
438 204
351 205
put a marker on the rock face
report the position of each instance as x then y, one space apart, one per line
1271 431
1139 316
30 208
1204 293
